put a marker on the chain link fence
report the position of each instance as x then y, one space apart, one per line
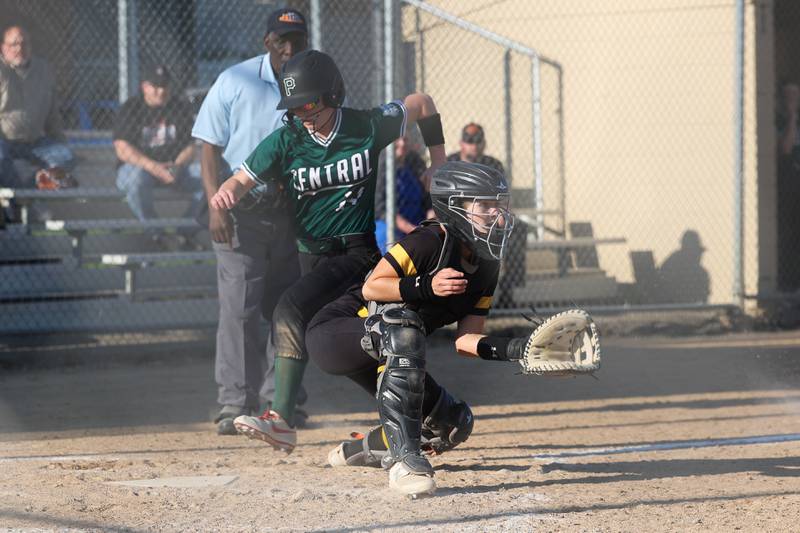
616 122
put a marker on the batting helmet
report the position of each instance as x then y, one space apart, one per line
308 77
456 188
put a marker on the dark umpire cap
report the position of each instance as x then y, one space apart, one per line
472 133
283 21
158 75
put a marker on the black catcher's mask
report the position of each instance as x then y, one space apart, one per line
473 201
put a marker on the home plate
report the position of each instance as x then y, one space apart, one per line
187 482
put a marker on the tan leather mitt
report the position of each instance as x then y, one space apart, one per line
565 344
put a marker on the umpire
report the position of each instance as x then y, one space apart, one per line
254 243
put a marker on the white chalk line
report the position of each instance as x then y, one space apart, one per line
94 457
616 450
678 445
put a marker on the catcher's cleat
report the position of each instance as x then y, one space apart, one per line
269 427
361 450
412 476
448 425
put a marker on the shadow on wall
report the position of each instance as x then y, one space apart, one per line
680 278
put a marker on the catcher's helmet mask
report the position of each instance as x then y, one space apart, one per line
457 183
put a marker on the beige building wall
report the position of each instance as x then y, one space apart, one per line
648 117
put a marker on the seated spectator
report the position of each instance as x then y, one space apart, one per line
413 203
153 142
473 143
472 146
30 123
413 200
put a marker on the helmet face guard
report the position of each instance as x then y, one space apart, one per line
490 230
473 200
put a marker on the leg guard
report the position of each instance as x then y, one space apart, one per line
448 425
401 388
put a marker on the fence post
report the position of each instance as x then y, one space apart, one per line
420 49
122 49
562 169
538 191
508 116
316 27
388 65
738 192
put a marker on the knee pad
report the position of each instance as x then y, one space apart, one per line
448 425
401 384
402 334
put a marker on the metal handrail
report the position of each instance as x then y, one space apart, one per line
536 60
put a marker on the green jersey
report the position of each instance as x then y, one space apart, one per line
331 182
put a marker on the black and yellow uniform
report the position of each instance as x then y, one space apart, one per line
424 251
333 338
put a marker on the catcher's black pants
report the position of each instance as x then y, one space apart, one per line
333 341
324 277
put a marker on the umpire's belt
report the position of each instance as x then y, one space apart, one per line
337 243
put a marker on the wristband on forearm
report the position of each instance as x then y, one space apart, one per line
502 348
431 130
416 289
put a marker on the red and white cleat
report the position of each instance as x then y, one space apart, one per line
269 427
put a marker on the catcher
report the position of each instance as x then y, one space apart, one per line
442 273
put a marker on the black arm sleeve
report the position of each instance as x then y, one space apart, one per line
502 348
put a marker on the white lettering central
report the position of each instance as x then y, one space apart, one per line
300 179
358 167
314 180
341 171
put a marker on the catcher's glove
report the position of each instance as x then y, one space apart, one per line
564 344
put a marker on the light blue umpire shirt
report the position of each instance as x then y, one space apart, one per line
240 110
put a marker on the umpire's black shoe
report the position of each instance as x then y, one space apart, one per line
224 420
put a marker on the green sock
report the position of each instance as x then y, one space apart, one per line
288 377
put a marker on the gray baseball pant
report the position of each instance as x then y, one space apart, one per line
251 276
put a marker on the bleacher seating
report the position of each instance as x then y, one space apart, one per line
95 268
132 265
26 198
78 229
561 271
92 267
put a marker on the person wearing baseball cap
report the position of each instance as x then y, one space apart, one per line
157 75
286 35
283 21
472 145
239 111
154 148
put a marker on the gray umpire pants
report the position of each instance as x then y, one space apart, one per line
251 275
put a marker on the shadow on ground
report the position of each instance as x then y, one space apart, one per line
165 388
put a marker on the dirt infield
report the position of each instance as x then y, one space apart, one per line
696 434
